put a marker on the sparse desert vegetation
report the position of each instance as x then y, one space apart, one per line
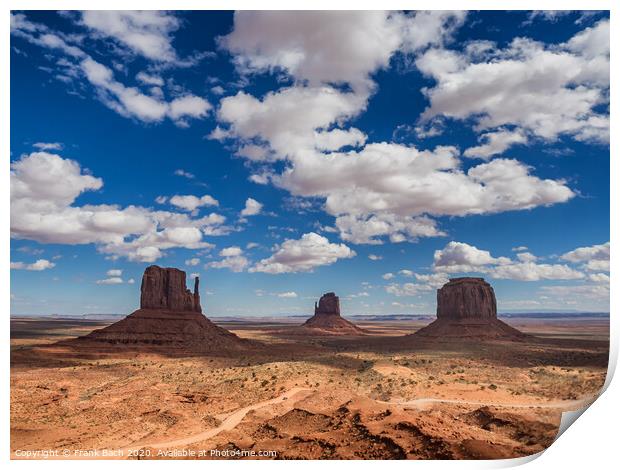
382 395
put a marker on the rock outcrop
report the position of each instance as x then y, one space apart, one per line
466 297
328 304
170 315
466 308
165 289
327 319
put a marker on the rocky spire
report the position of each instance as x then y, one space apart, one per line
166 289
197 307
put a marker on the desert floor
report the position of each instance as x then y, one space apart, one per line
381 396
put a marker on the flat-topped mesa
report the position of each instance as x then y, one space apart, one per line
329 304
467 309
166 289
466 297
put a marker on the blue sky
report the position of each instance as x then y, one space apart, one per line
283 155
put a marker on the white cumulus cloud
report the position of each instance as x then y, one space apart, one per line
495 143
587 253
461 257
44 188
458 257
232 258
547 90
252 207
148 33
38 265
133 103
145 33
191 202
305 254
594 258
375 191
287 295
529 271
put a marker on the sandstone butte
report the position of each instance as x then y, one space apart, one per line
466 308
169 315
327 319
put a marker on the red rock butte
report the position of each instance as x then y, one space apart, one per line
165 289
327 319
466 308
169 315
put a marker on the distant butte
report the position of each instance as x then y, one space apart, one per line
466 308
327 319
170 315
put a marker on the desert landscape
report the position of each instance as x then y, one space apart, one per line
322 234
166 382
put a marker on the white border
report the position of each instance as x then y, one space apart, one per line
591 443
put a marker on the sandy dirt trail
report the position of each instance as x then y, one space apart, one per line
566 405
230 422
237 416
295 395
386 369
